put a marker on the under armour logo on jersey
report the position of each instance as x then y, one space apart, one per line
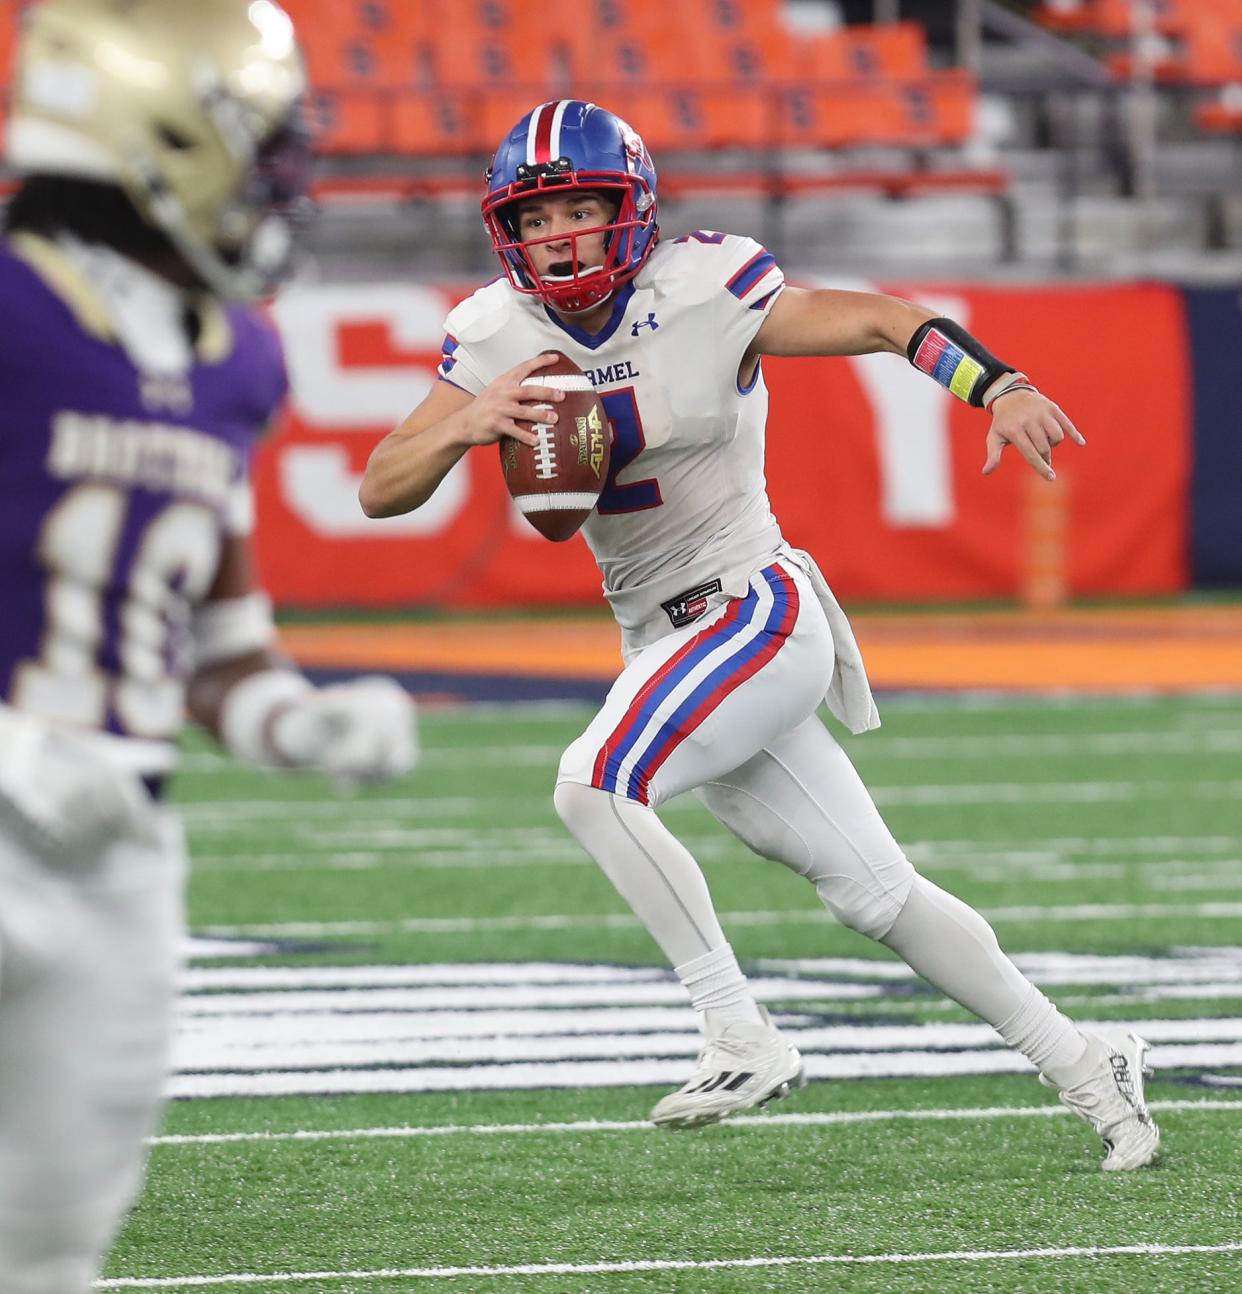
649 322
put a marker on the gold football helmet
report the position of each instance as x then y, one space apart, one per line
192 107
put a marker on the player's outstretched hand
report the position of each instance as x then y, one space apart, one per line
1033 425
358 733
495 411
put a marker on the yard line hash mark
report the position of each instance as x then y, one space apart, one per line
667 1264
623 920
765 1121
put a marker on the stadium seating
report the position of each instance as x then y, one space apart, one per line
1212 48
889 52
700 74
439 81
1197 44
1112 17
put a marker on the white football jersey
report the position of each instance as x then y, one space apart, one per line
685 501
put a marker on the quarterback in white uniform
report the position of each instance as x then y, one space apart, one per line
731 639
134 390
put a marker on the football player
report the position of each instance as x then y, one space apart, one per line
730 637
164 165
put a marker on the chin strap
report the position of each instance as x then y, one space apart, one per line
581 310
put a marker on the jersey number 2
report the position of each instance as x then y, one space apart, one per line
628 442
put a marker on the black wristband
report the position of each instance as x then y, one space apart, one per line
946 352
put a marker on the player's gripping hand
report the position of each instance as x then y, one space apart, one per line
61 798
496 410
359 732
1033 425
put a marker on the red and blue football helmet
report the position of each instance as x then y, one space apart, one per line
570 144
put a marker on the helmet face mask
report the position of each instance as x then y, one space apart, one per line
587 149
260 225
190 107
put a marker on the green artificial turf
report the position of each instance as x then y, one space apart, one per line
1085 827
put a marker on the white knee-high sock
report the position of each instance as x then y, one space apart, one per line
955 950
718 989
656 875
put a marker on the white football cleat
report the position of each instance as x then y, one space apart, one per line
1111 1101
741 1066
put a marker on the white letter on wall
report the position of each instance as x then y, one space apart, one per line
912 425
317 482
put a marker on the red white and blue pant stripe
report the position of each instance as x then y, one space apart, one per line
695 680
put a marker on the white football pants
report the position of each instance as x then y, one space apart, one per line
88 961
727 706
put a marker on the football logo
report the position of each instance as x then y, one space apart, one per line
635 149
588 439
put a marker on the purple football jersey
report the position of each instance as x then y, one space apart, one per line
116 490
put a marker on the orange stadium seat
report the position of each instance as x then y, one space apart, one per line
1222 115
635 44
746 58
366 42
727 17
639 62
671 121
349 120
797 113
599 23
439 123
480 59
938 111
666 116
682 118
735 116
476 17
931 113
425 78
832 116
369 17
1207 51
1212 48
888 52
1115 18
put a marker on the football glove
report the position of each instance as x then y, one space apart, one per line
359 732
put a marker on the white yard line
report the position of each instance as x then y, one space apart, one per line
762 1121
623 920
1041 745
636 1072
998 867
956 793
377 846
223 815
1124 846
371 854
878 745
667 1264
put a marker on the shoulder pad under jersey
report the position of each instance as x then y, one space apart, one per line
482 314
699 265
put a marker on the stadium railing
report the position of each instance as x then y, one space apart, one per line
1196 44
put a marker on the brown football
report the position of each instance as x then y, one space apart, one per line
556 483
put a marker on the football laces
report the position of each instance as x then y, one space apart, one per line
545 450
